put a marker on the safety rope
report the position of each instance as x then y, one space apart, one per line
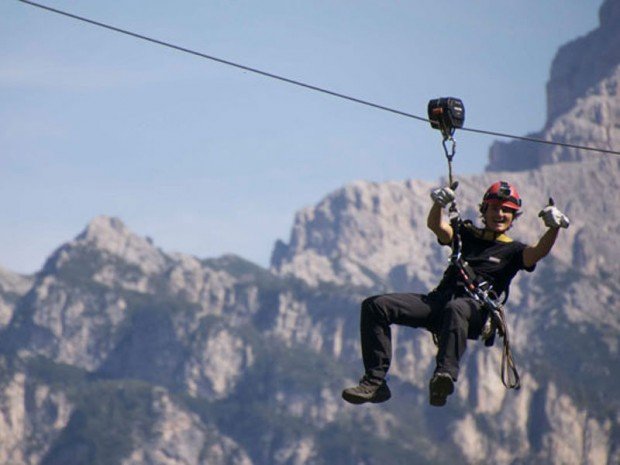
509 372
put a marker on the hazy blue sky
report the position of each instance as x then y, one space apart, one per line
207 159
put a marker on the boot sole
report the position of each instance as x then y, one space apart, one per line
440 388
353 399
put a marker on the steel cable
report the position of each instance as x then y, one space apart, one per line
305 85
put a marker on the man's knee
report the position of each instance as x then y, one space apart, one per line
369 305
374 307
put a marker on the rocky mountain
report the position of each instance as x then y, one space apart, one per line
583 101
120 353
117 352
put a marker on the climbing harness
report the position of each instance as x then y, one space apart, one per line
482 291
448 114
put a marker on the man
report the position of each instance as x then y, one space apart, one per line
449 311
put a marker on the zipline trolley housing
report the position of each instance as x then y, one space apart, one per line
446 114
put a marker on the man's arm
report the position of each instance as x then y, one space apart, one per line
532 254
438 225
554 219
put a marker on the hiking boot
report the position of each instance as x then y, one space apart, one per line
367 391
441 386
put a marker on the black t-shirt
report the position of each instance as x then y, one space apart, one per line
496 259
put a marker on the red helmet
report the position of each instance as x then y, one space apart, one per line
503 193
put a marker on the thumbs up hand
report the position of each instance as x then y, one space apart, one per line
553 217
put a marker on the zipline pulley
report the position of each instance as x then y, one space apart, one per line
447 114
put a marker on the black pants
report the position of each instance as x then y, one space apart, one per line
452 318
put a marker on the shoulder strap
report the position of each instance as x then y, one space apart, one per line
486 234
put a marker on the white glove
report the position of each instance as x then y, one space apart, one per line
554 218
442 196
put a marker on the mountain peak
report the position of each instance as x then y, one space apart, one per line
109 234
609 14
102 227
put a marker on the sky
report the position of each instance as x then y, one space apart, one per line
207 159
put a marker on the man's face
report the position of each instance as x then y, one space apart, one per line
498 218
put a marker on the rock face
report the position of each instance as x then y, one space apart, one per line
32 416
12 288
117 352
583 101
357 234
